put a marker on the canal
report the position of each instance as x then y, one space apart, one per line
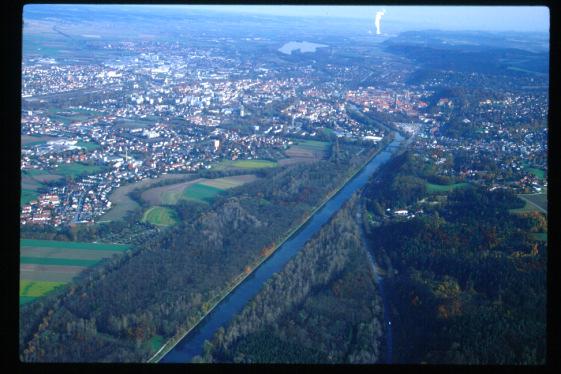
192 344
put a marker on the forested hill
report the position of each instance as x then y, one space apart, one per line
118 312
466 276
323 307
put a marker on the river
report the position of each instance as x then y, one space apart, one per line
192 344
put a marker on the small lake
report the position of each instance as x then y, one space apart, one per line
302 46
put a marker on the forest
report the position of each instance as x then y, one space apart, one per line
323 307
466 280
160 288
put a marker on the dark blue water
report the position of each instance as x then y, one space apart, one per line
192 344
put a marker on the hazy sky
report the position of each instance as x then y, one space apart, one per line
485 18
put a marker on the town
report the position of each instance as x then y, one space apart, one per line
170 109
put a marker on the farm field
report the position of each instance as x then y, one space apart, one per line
167 195
122 203
305 151
244 164
525 209
539 173
72 115
542 236
28 140
89 146
47 264
533 203
76 169
538 199
201 193
160 216
32 181
27 196
171 194
431 187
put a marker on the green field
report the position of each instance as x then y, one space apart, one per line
431 187
539 173
200 193
57 261
313 145
72 245
525 209
36 289
538 199
48 264
76 169
89 146
34 172
245 164
542 236
26 299
27 196
156 342
160 216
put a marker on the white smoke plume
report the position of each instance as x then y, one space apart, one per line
378 19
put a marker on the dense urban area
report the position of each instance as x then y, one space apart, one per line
169 167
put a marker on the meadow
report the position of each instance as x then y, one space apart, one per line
200 190
123 204
160 216
201 193
244 164
431 187
305 151
76 169
532 203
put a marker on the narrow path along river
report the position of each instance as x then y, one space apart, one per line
192 344
385 304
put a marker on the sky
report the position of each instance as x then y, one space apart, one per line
480 18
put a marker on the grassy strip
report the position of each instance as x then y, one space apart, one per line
27 196
57 261
431 187
37 288
529 206
72 245
26 299
245 164
541 236
213 302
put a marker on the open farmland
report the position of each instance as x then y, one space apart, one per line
431 187
305 151
171 194
48 264
76 169
229 182
28 195
533 202
28 140
201 193
32 181
244 164
122 203
168 195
